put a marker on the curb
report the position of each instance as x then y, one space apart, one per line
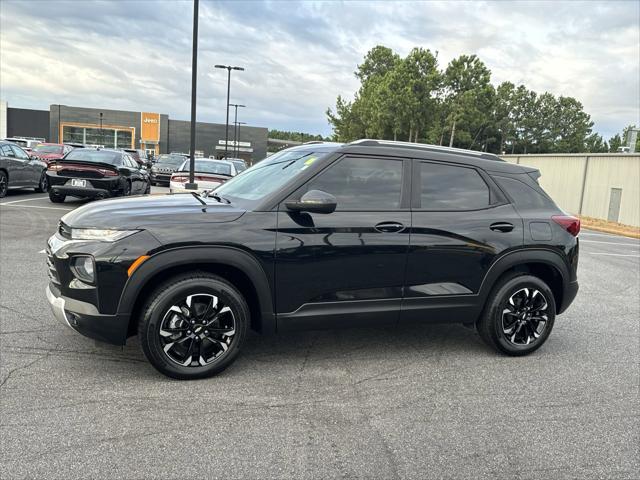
598 228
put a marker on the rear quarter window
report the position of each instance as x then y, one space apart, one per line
523 195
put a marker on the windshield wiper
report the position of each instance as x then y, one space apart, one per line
211 193
197 197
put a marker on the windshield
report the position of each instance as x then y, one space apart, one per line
101 156
48 149
172 160
208 166
269 175
240 166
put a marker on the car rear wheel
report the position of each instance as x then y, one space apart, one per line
4 184
193 326
43 185
126 190
56 197
518 316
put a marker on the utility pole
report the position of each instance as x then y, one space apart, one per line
228 68
235 125
191 185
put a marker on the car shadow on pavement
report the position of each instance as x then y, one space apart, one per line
384 345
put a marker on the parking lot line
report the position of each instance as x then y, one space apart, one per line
35 206
23 200
613 254
632 244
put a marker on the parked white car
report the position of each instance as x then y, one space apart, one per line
208 174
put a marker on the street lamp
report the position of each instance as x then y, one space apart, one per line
101 135
238 125
191 184
235 130
229 68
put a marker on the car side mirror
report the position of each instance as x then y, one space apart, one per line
314 201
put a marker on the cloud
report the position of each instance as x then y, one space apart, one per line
299 56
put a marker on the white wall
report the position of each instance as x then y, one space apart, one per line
565 175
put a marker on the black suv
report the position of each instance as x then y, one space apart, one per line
322 235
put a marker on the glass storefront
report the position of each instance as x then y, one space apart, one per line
106 137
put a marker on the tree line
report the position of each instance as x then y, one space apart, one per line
412 99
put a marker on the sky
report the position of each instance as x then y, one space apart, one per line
299 56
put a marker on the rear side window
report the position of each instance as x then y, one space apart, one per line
365 184
523 195
447 187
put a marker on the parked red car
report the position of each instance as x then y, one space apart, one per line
51 151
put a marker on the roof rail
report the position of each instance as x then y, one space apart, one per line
367 142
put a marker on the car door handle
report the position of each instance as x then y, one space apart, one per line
389 227
501 227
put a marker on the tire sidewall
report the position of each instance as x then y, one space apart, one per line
158 307
5 188
499 300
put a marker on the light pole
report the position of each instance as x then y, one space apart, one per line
101 135
226 135
238 125
235 122
194 77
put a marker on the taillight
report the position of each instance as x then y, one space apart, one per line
108 173
54 167
569 223
179 179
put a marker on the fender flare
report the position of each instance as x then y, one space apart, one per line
199 255
522 257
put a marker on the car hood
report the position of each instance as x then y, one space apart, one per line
146 211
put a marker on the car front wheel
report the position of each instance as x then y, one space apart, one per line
193 326
519 315
4 184
43 185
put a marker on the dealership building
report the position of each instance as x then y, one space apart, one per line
151 131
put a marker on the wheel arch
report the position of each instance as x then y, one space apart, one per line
234 265
542 263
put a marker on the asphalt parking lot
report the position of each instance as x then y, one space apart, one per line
422 402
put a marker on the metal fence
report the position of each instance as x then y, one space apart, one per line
601 185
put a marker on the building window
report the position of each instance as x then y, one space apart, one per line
107 137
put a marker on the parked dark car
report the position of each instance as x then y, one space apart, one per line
320 236
140 156
96 173
164 166
20 170
49 152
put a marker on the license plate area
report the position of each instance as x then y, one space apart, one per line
78 182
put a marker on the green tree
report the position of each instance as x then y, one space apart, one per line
615 142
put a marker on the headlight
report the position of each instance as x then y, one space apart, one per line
83 268
102 235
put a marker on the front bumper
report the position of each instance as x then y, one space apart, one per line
85 319
160 177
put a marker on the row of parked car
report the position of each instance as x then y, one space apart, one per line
75 170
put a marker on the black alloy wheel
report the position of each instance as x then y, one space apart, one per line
193 326
197 330
43 185
4 184
518 316
525 316
126 191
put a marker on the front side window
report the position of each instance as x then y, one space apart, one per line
6 151
19 153
448 187
362 183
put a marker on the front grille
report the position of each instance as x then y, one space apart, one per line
64 230
53 274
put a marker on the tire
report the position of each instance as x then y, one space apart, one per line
56 197
147 190
169 310
43 185
126 191
4 184
514 321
